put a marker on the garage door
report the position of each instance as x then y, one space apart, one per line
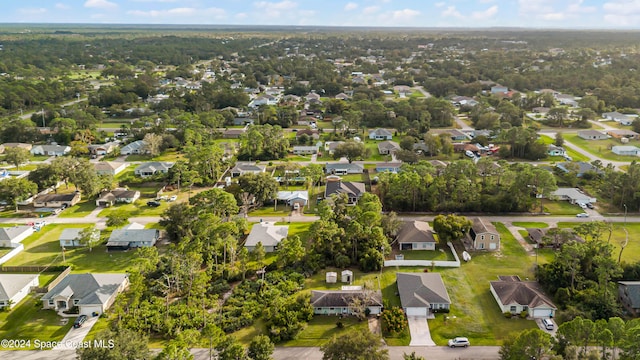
89 310
541 313
417 311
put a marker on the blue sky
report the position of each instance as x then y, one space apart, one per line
419 13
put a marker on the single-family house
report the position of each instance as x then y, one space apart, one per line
421 294
540 110
499 89
261 100
459 101
618 117
50 150
484 235
341 302
11 237
152 168
342 96
15 287
71 237
554 150
247 168
330 146
580 167
233 133
92 294
625 150
623 133
416 235
57 200
515 296
103 149
389 167
380 134
132 236
305 150
592 135
314 134
109 167
118 195
540 238
268 234
343 168
312 96
629 296
354 190
136 147
388 147
242 121
573 195
300 197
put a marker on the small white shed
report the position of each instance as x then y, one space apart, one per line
346 276
332 277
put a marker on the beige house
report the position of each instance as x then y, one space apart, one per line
484 235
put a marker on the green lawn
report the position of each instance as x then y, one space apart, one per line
281 210
372 145
81 209
298 158
576 156
43 248
29 321
322 328
600 147
169 155
441 253
631 253
560 207
531 224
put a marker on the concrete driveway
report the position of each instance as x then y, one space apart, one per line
419 329
74 337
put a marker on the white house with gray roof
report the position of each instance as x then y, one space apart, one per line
11 237
50 150
380 134
422 293
132 236
247 168
153 168
71 237
15 287
268 234
93 294
136 147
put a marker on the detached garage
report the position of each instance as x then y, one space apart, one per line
422 293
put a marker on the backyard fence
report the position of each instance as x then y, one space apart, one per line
438 263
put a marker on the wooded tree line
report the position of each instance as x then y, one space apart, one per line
466 187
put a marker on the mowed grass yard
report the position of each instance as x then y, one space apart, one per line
559 207
43 248
601 148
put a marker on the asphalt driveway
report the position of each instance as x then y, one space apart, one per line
419 329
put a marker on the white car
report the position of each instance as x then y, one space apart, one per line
459 342
173 198
583 215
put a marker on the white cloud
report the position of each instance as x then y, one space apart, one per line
554 16
274 10
62 6
350 6
576 7
370 10
440 4
100 4
451 11
404 15
180 12
622 12
483 15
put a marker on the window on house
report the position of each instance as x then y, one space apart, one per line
76 301
525 308
51 303
492 237
481 245
481 237
512 309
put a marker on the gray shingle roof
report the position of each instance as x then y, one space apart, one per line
11 284
633 291
421 289
342 298
89 289
416 231
10 233
339 187
123 237
511 290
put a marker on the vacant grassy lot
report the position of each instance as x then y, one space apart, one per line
169 155
601 148
29 321
43 248
560 207
631 252
322 328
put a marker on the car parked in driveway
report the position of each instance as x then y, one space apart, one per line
153 203
583 215
459 342
79 321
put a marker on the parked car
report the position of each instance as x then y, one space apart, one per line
583 215
459 342
590 205
153 203
173 198
547 323
79 321
582 205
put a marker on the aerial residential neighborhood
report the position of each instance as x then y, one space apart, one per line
262 194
